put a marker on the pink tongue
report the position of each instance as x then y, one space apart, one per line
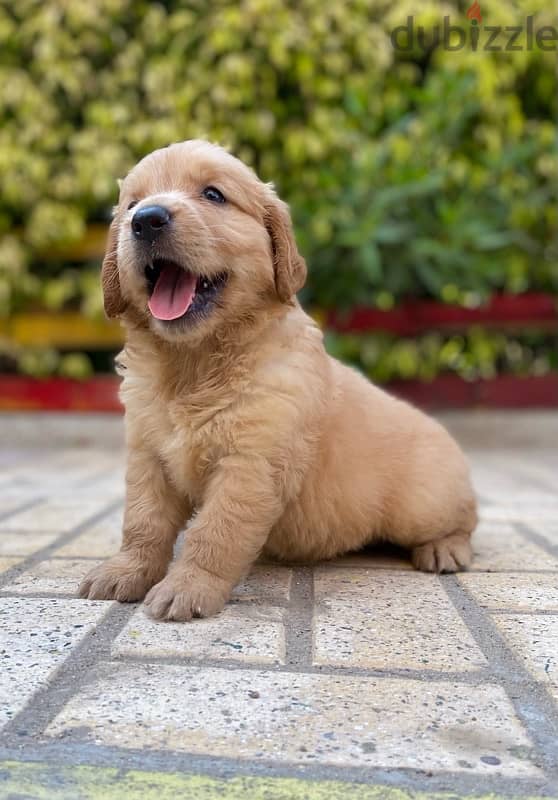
173 293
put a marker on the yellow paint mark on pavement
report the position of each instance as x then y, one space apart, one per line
38 781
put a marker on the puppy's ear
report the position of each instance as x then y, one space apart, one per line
288 264
112 295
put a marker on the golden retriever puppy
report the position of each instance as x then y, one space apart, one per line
238 423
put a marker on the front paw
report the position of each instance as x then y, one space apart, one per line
123 577
185 594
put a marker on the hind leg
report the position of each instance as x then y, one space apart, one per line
449 554
441 540
434 510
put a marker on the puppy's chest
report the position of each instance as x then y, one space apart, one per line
190 430
188 447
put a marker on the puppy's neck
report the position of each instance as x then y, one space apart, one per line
224 358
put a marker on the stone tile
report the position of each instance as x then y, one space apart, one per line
515 484
266 582
250 628
243 632
336 720
108 486
63 430
59 469
547 529
494 481
536 473
102 540
534 641
10 456
499 547
21 543
12 498
102 482
531 466
59 516
60 576
8 563
515 511
517 592
35 638
389 620
522 505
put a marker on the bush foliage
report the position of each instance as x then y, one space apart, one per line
476 354
428 173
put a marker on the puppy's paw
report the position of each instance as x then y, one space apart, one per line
123 577
450 554
183 595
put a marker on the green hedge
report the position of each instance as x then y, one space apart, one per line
476 354
425 173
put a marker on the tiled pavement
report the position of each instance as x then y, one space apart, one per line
357 678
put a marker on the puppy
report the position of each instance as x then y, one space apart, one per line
238 424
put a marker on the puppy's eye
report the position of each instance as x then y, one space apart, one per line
132 204
213 194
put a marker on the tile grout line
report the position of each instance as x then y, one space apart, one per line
168 761
44 552
299 619
528 531
427 676
26 506
71 675
531 704
240 602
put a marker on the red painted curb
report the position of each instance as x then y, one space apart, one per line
100 394
20 393
503 391
531 309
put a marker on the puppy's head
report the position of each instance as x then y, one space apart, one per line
198 242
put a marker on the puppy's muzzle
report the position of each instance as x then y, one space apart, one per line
148 223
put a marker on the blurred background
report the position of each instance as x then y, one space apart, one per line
423 181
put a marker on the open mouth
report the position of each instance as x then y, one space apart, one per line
176 293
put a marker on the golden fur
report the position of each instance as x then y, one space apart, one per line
241 426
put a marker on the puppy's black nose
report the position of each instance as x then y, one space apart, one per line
148 222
